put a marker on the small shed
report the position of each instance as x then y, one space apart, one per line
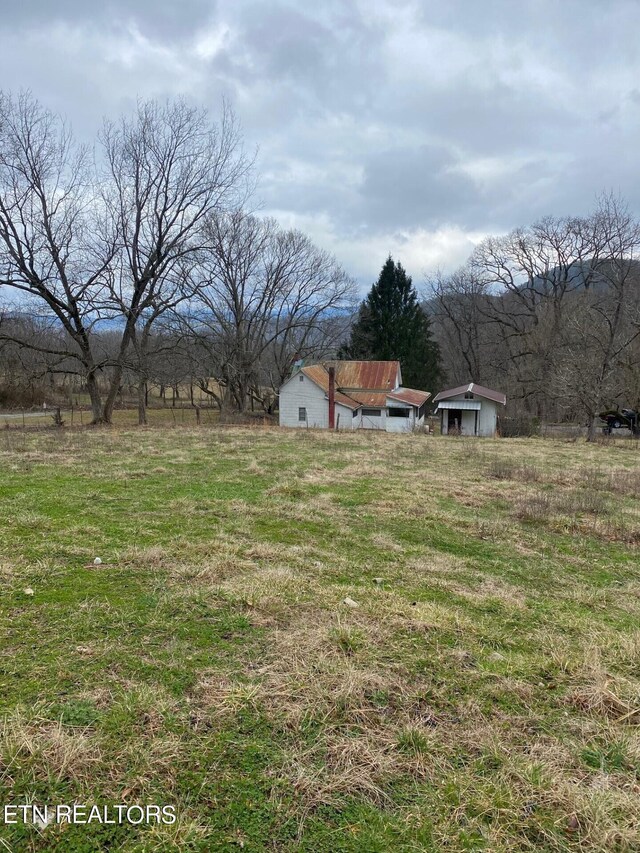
469 409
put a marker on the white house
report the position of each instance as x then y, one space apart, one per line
469 410
351 395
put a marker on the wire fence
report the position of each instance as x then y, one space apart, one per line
186 415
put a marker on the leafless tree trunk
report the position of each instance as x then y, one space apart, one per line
169 170
55 253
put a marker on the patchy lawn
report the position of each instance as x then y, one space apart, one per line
484 695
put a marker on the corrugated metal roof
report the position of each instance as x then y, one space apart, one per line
373 399
346 401
459 404
408 395
364 383
318 374
366 375
472 388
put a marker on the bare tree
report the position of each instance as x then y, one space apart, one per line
55 253
456 304
549 312
605 319
264 295
169 170
529 275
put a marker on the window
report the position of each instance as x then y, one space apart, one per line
355 413
371 413
468 396
301 378
302 414
399 413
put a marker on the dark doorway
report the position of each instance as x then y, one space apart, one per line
454 422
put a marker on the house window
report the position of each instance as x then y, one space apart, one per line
468 396
371 413
399 413
301 378
355 413
302 414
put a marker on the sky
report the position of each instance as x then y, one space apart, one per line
381 126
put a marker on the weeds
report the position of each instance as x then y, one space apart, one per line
484 694
504 469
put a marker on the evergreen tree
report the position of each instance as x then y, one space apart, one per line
391 324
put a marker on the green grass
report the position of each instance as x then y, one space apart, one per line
484 695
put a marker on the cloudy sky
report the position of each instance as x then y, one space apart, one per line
414 128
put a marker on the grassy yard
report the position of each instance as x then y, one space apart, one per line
483 695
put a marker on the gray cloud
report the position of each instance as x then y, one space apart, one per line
165 19
391 125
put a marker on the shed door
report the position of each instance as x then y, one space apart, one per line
454 422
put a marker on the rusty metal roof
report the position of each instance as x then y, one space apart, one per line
344 400
374 399
408 395
366 375
356 375
318 374
364 383
472 388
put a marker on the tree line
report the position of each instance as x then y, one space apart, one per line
138 260
118 259
550 314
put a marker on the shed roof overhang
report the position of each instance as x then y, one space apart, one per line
459 404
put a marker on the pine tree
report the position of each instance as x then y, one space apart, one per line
391 324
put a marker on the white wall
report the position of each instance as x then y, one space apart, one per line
488 418
372 422
401 424
468 425
294 394
344 417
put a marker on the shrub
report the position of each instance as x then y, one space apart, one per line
505 469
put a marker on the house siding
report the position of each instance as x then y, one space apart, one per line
344 417
294 395
372 422
402 424
488 418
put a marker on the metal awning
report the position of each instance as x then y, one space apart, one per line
459 404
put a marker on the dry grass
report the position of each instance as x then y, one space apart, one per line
484 693
53 750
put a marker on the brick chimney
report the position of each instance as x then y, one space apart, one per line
332 398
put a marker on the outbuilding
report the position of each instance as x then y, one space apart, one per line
469 410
